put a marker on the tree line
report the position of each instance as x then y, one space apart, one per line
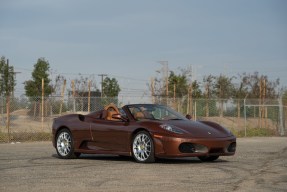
79 87
251 85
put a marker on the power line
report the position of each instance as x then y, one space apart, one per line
89 74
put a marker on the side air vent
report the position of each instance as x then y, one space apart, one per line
81 117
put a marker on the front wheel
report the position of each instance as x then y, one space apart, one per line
143 148
208 158
65 145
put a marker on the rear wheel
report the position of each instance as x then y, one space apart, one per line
208 158
65 145
143 148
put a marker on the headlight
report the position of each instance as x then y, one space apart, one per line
171 128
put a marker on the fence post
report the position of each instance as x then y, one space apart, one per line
89 96
74 99
281 131
195 115
245 121
8 116
42 108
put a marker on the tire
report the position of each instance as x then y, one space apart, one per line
208 158
143 147
65 145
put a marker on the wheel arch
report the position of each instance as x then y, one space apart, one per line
138 130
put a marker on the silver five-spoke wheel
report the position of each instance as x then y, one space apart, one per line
142 147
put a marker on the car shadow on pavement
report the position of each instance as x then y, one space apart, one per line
184 160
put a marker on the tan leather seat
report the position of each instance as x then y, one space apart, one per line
139 115
112 107
104 114
110 115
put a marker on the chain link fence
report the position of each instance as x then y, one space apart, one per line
244 117
30 119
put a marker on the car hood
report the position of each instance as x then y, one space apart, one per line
200 129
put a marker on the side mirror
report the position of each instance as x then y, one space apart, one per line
188 117
119 117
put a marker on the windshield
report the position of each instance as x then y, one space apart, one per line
154 112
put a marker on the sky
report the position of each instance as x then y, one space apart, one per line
125 39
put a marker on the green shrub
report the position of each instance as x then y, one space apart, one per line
22 137
254 132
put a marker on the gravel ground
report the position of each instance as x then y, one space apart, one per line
260 164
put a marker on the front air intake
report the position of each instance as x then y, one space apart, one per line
232 147
187 148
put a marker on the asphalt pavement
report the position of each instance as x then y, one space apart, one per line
260 164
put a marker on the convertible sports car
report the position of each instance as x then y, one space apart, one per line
144 131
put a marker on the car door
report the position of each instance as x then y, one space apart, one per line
109 135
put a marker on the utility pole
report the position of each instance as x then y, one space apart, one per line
89 96
102 75
152 90
8 102
165 74
8 88
189 91
62 95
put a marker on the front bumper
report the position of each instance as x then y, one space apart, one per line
192 147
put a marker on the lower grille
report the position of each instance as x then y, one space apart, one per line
186 148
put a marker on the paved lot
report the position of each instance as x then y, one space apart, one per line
260 164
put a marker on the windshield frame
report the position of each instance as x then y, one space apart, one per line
153 112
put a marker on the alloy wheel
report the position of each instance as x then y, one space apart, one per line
142 147
64 144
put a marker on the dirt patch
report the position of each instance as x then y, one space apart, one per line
21 112
239 123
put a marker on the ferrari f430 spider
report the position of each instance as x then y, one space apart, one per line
143 131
